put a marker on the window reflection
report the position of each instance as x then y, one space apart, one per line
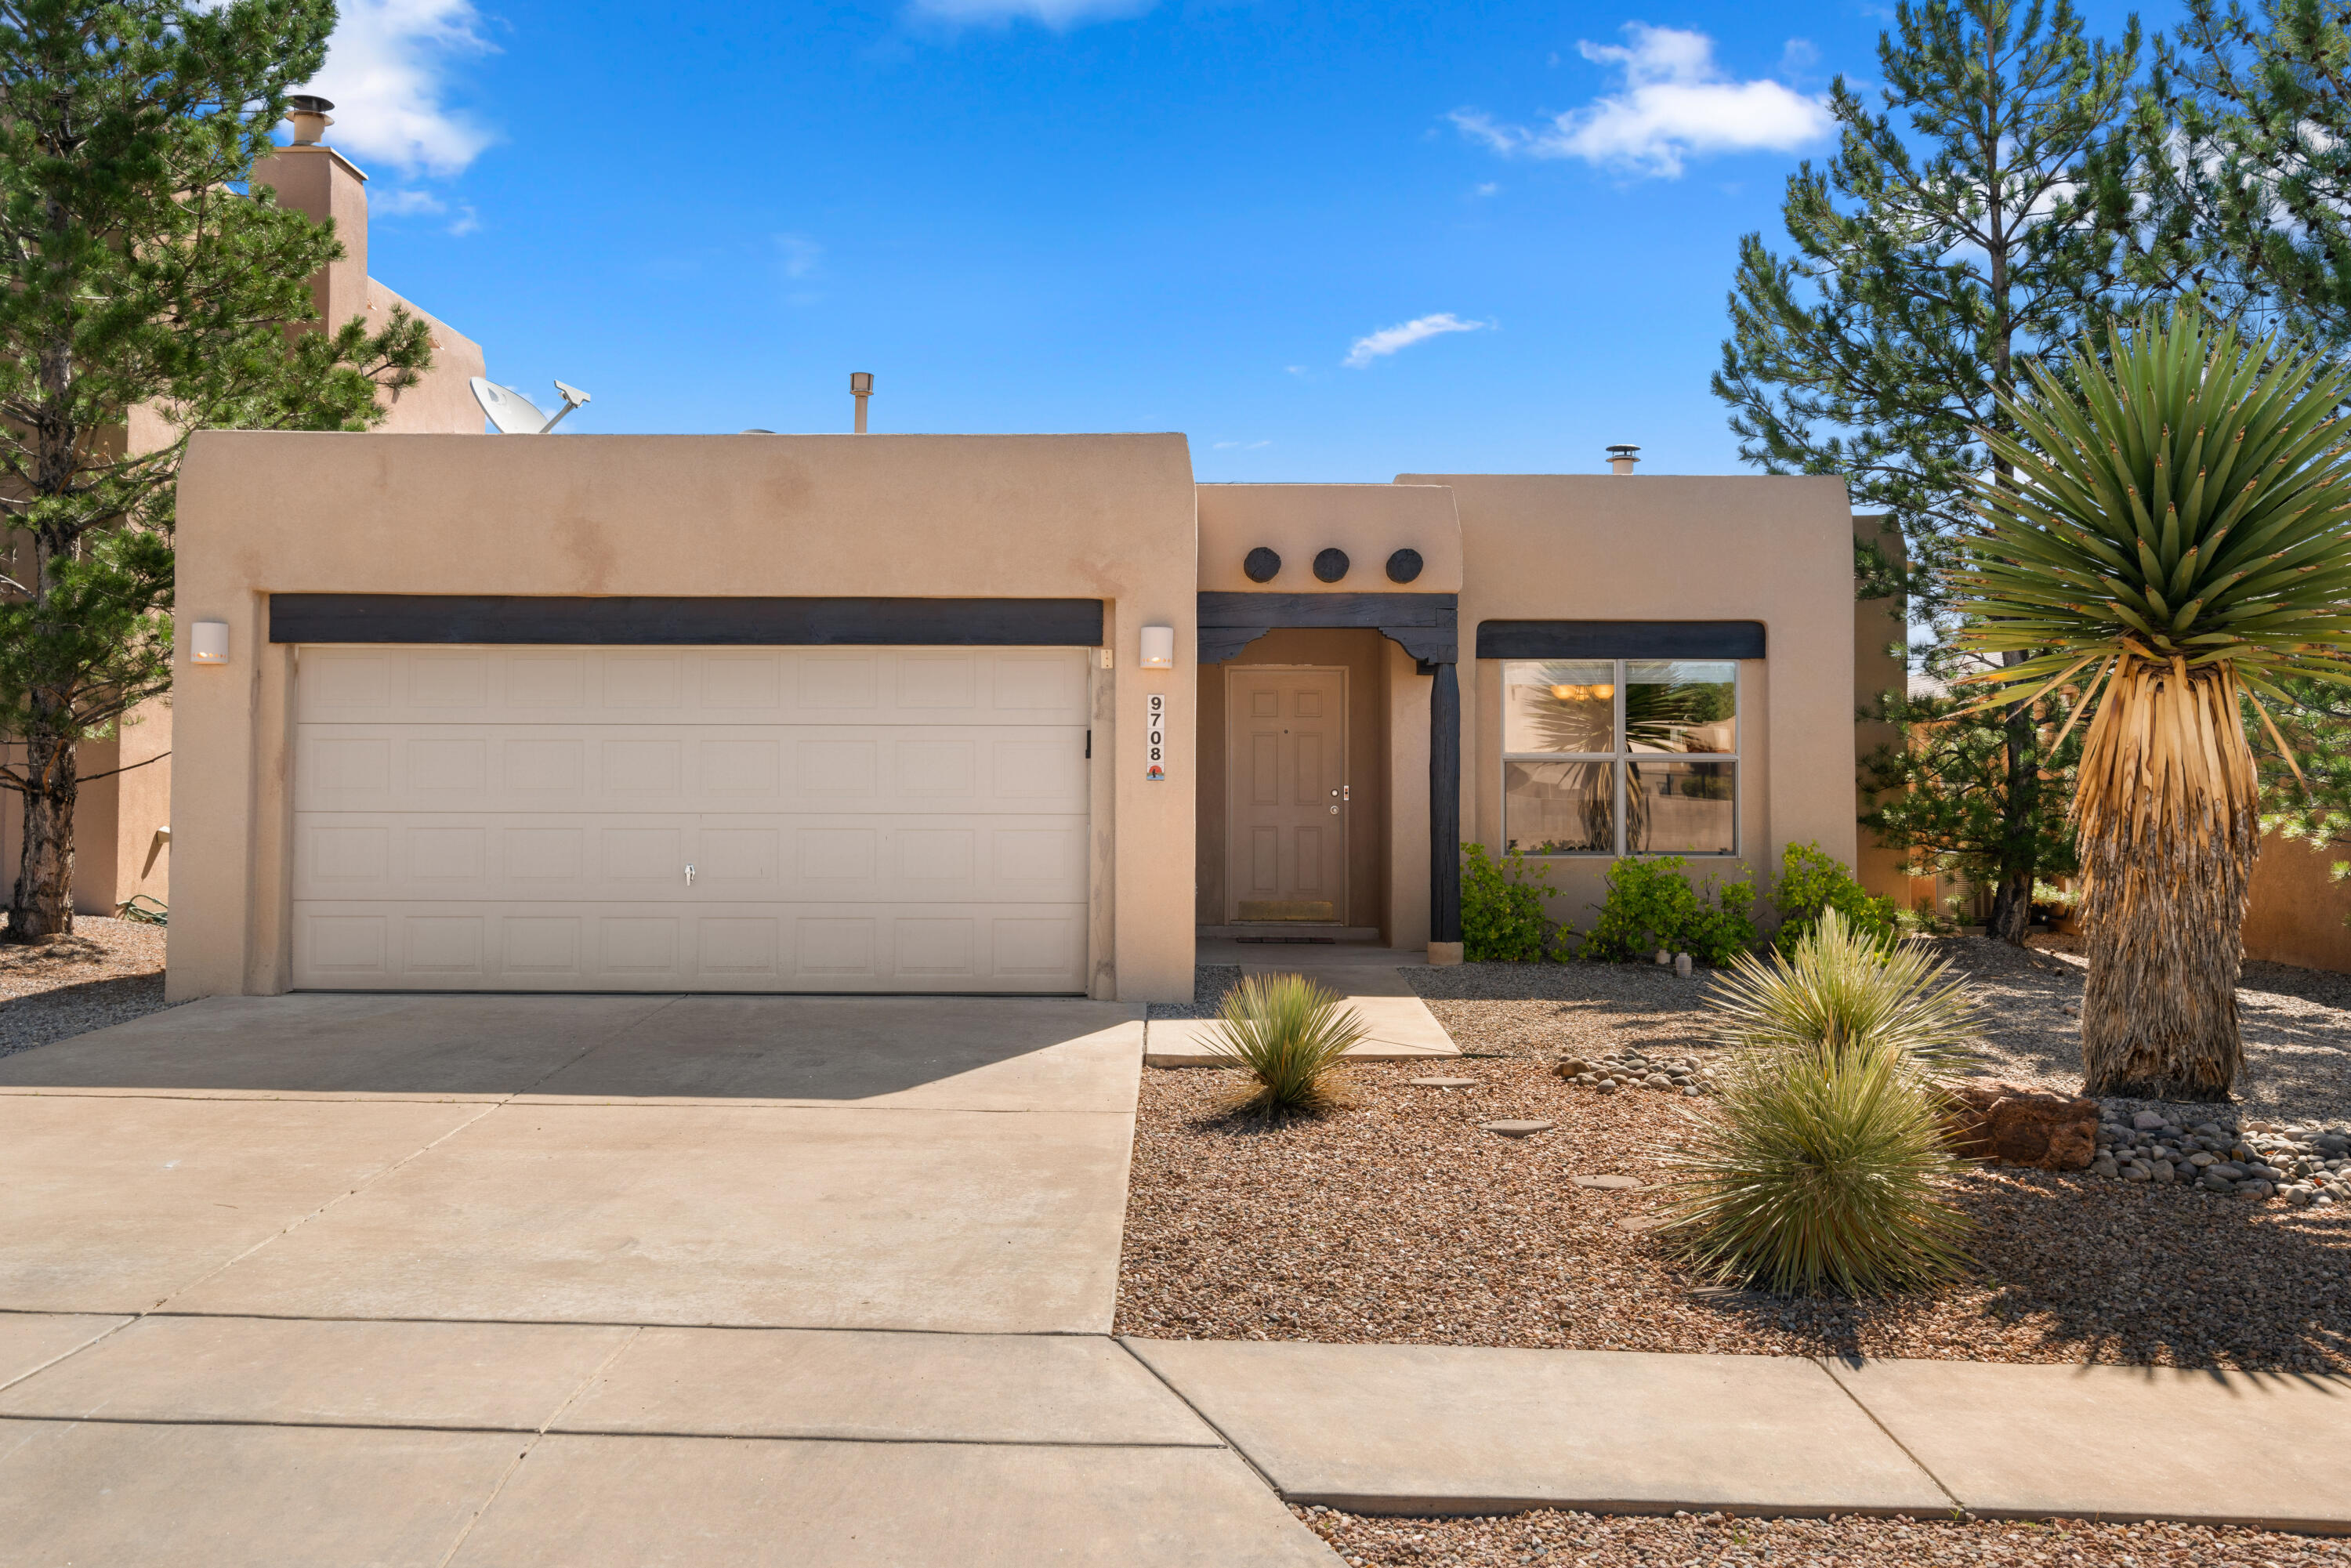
1559 808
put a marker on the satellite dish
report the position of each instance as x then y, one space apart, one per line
516 414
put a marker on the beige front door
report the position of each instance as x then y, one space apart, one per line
1285 794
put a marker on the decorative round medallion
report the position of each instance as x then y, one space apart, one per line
1262 564
1403 566
1330 565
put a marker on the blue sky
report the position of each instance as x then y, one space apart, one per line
1327 242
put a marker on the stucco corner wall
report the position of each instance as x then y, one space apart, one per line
1098 516
1551 547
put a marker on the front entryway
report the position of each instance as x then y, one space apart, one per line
1286 794
663 819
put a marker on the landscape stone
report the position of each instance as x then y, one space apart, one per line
1610 1183
2148 1121
2021 1125
1516 1129
1442 1082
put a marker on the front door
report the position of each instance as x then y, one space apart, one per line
1286 794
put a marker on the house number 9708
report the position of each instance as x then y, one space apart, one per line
1155 755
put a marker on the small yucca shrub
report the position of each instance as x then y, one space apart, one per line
1825 1166
1287 1033
1844 986
1825 1172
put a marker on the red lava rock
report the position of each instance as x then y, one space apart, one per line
2018 1125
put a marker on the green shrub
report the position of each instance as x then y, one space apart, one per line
1651 906
1811 882
1287 1033
1825 1172
1842 989
1502 918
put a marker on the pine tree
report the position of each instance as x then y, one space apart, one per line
1980 222
2252 112
139 271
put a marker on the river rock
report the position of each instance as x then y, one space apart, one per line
2018 1125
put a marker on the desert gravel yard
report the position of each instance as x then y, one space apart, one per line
1550 1536
1401 1220
107 972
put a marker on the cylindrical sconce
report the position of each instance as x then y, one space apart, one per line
208 642
1158 647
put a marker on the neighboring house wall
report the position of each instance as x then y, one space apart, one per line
1109 519
117 853
1881 669
2295 914
1670 548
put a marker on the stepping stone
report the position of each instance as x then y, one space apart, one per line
1611 1183
1445 1083
1516 1129
1641 1222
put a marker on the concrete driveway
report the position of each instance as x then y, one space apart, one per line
587 1281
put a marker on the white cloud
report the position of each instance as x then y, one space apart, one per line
1676 103
1388 340
404 204
1055 13
1488 189
467 221
385 72
801 255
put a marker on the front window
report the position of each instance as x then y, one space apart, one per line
1617 757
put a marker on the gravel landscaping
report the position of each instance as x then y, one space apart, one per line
1402 1219
108 972
1552 1536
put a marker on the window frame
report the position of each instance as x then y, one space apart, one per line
1623 755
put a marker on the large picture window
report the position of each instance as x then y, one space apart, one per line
1620 757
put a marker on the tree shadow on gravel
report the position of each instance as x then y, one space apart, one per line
2073 1270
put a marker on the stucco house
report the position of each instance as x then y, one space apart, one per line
954 714
122 843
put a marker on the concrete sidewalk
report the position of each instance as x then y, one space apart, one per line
1425 1429
1369 977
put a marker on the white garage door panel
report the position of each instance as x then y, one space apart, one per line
744 767
643 687
522 818
710 946
474 857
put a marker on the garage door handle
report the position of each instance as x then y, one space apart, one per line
689 876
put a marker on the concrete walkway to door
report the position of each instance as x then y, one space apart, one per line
589 1280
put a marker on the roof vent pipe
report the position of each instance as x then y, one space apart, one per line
309 113
861 387
1621 456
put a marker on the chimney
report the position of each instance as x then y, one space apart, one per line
861 387
321 183
1621 456
309 116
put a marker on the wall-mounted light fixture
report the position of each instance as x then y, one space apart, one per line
208 642
1158 648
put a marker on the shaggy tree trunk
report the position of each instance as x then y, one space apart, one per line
42 904
2169 827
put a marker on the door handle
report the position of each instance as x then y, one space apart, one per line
689 874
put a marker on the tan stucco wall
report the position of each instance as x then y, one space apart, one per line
1880 634
1107 517
1670 548
440 403
2295 914
1298 522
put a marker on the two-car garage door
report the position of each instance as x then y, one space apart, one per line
690 819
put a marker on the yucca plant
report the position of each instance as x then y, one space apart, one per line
1842 987
1287 1034
2172 538
1823 1172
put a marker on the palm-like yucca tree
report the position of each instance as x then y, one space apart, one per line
2174 539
